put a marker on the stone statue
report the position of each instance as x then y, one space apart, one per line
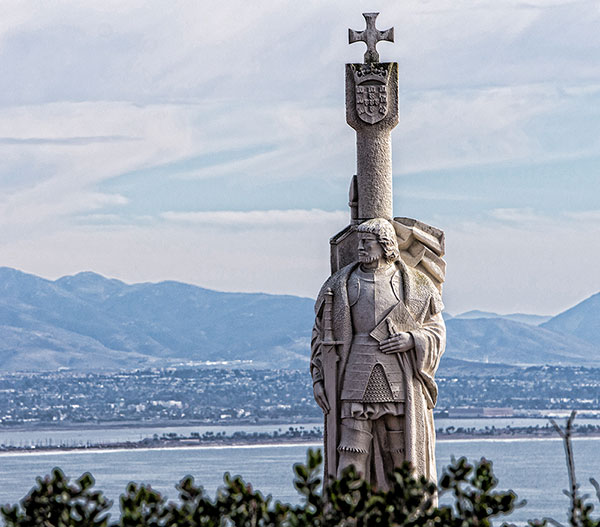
379 332
391 334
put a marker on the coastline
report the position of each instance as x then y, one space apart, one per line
264 442
92 425
175 423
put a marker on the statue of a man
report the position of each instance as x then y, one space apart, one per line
386 318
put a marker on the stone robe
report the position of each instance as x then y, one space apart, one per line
424 304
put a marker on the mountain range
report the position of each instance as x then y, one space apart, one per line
88 322
534 320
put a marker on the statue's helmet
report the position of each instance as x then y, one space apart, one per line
385 234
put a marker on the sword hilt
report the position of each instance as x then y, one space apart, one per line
328 338
328 317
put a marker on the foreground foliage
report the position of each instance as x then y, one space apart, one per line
470 498
55 501
580 510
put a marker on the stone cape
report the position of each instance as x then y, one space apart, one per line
423 301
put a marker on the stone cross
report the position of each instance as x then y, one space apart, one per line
372 110
370 36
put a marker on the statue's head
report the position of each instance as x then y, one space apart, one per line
377 239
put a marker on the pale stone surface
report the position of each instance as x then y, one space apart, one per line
373 139
379 333
370 36
376 344
372 110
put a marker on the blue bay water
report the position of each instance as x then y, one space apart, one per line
533 468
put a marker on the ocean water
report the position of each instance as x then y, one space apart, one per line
533 468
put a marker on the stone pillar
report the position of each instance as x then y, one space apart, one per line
372 110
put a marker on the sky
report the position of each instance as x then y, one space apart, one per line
206 141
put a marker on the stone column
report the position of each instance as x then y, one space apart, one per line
372 110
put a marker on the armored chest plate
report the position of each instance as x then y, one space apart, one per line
371 375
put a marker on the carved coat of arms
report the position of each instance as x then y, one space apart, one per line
371 102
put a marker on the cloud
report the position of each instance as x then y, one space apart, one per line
542 267
40 211
587 216
515 215
530 218
123 126
102 219
63 140
426 194
259 218
471 89
491 125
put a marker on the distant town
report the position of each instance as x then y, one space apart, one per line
193 395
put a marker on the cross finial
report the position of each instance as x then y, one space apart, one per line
370 36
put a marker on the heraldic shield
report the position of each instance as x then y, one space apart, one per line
371 102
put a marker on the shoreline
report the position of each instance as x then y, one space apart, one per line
306 420
116 425
263 442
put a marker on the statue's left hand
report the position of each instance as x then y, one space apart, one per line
397 343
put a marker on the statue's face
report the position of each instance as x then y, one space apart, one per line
369 249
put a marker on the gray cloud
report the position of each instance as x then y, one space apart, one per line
76 141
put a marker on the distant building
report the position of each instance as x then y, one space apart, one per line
465 412
479 412
498 412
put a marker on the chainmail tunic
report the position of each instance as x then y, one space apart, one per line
371 376
378 389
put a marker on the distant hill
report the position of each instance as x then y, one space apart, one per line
88 322
499 340
525 318
456 367
582 320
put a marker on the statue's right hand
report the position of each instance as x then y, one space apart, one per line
320 397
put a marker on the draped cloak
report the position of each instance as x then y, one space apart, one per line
418 365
